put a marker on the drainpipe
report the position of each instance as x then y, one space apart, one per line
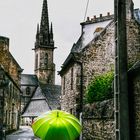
81 85
81 95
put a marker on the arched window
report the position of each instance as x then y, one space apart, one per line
28 90
36 61
46 59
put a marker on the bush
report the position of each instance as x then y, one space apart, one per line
100 88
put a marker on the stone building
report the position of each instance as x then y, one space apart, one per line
10 73
44 47
92 55
134 96
40 93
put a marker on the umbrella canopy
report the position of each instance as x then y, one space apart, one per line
57 125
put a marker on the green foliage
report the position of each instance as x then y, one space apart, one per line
100 88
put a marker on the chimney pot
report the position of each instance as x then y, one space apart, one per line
108 13
88 19
94 17
100 15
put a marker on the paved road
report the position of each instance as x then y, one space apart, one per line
24 133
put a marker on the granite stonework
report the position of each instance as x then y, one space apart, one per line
137 107
134 96
98 121
10 73
70 99
96 58
8 61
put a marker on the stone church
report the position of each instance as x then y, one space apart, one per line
40 93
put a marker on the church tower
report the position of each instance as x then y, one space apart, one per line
44 48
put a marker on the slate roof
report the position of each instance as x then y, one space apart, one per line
29 79
37 105
52 94
89 35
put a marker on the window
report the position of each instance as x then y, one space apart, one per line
72 79
10 90
64 85
46 59
28 90
36 61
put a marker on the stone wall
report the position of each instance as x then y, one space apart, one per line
45 68
98 58
136 91
133 42
98 121
70 98
134 100
9 102
7 60
10 92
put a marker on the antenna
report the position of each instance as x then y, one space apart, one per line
86 10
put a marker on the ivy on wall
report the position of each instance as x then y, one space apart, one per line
100 88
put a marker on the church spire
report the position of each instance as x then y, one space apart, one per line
37 36
44 48
37 29
44 25
37 33
51 34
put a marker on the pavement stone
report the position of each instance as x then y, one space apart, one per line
24 133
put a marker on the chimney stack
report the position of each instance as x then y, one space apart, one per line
88 18
100 15
108 13
94 17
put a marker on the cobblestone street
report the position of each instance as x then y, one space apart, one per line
24 133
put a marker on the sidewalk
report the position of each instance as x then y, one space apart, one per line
21 130
24 133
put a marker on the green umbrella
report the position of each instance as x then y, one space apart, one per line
56 125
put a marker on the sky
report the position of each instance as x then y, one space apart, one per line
19 18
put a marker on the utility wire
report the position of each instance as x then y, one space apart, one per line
86 10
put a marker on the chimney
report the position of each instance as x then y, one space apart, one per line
108 13
100 15
94 17
88 18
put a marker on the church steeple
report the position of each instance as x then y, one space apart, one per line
51 35
44 47
45 36
37 36
44 25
